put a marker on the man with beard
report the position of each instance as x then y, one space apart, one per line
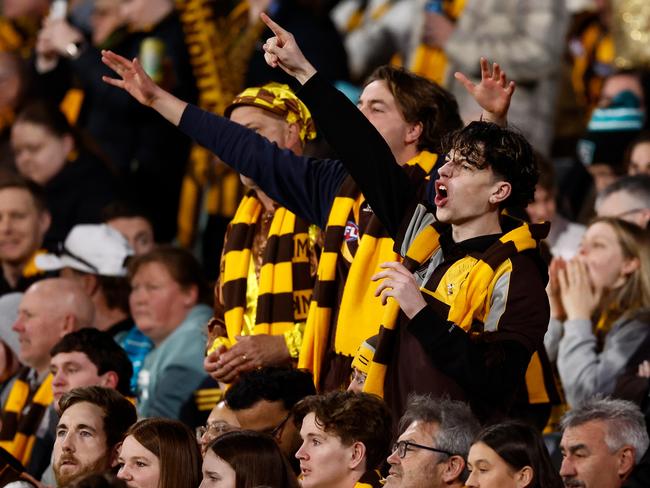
93 423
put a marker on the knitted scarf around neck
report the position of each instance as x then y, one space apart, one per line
470 299
285 283
21 415
360 311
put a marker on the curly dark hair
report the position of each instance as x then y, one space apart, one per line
506 151
421 100
273 383
353 417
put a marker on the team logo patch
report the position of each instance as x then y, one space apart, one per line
351 232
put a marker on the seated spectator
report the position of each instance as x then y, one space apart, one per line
510 455
25 220
149 155
87 357
49 310
638 155
159 453
246 459
628 198
600 306
77 185
220 421
345 439
602 441
431 450
564 236
132 223
168 296
92 425
94 255
262 401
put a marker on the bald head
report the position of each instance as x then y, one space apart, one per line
49 310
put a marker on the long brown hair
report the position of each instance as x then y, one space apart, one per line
175 446
255 458
635 292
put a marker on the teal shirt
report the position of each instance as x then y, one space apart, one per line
174 369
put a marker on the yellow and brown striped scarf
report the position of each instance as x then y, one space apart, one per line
360 311
470 299
207 37
285 282
431 62
22 416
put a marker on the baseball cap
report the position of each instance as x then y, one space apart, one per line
90 248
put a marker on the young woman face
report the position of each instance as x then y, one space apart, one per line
601 251
139 467
40 154
489 470
217 473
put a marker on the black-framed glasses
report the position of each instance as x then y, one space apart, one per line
402 447
276 431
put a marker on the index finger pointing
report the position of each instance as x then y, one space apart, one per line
279 32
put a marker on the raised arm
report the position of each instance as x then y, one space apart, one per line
140 86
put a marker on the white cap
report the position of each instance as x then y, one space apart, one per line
90 248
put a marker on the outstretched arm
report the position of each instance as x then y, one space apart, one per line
140 86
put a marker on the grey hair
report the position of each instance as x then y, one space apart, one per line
625 424
457 426
638 187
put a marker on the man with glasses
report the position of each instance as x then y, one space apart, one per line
432 448
628 198
262 401
345 439
220 421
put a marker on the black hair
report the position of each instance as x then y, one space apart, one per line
507 152
102 351
272 384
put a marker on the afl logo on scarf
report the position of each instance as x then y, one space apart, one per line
351 233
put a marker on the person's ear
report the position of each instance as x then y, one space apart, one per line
500 192
110 379
626 461
69 324
292 137
630 266
115 452
524 477
358 455
191 296
44 221
90 283
68 143
454 468
413 133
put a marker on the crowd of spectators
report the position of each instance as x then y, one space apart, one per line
327 244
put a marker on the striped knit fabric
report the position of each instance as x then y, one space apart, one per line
21 416
431 62
470 299
285 283
360 311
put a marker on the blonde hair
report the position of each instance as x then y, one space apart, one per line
635 292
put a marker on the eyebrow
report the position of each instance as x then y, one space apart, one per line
575 448
78 427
